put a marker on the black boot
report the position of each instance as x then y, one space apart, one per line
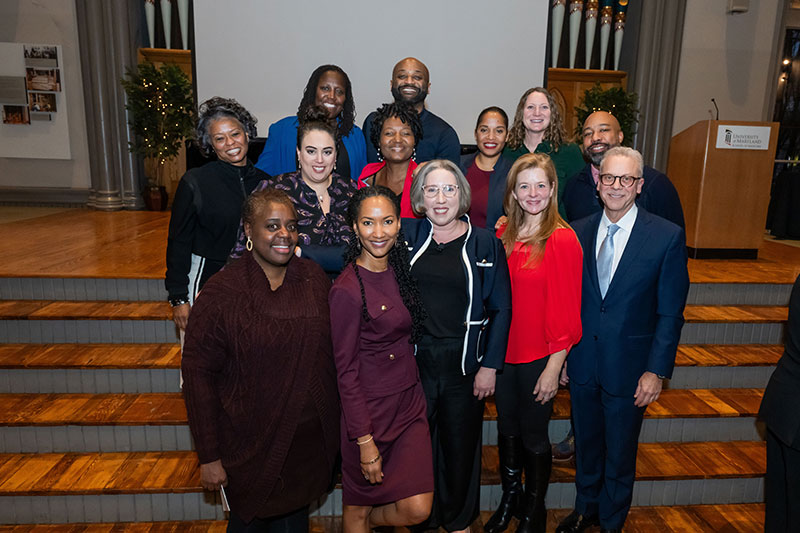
537 479
510 451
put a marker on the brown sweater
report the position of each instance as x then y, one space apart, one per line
256 364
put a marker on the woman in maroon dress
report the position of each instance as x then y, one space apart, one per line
376 315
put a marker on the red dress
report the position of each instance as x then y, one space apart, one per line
545 298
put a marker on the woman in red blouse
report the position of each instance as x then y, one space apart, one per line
545 261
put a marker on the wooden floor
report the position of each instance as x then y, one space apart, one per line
132 244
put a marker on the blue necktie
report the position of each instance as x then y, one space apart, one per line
605 259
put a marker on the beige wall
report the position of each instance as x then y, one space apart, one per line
49 22
729 58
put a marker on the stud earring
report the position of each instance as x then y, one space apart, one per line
249 244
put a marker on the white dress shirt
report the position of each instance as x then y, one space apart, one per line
620 237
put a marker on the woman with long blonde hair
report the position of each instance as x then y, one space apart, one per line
545 264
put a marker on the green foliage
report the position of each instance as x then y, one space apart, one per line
161 108
616 101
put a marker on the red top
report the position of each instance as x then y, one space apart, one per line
545 298
479 185
405 198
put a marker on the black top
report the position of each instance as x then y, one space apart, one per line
343 161
439 272
205 217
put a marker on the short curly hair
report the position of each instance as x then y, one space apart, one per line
555 134
405 112
216 108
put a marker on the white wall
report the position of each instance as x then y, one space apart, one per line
479 53
49 22
726 57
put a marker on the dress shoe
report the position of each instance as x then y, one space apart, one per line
564 450
577 523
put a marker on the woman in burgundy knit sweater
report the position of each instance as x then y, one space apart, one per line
259 377
376 314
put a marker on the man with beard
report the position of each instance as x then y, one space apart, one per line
601 131
410 83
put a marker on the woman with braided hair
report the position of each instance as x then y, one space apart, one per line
376 316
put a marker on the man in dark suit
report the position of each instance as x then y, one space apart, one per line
780 413
601 132
635 282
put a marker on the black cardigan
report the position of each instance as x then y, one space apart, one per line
205 217
497 187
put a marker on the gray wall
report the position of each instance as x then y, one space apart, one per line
49 22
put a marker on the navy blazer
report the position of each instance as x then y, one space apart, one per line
488 316
783 389
497 186
658 196
637 326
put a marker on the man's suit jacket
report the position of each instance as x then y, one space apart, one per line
779 406
658 196
636 327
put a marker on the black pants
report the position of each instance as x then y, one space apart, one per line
782 486
294 522
518 412
455 417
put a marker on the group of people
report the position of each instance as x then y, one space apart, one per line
505 272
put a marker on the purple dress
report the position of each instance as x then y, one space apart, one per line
379 388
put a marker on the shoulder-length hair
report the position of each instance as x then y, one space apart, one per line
555 134
347 117
464 191
550 220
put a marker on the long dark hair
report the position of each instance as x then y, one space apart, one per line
348 115
398 260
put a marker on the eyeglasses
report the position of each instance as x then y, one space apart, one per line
432 191
625 181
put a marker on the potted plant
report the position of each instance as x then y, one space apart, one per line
614 100
161 110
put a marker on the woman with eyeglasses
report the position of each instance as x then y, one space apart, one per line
462 275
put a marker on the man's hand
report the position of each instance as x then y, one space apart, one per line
483 385
212 475
180 315
648 390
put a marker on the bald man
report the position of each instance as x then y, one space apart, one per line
411 84
601 132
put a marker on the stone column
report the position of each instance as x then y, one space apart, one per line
655 76
108 33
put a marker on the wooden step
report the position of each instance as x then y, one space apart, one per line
666 461
90 356
728 354
169 408
69 310
152 409
169 355
740 518
154 472
752 314
675 403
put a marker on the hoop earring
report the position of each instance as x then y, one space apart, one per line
380 156
249 245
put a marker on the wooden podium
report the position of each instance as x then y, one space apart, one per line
723 173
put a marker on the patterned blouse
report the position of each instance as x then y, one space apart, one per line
314 227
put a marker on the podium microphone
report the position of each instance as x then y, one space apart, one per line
715 107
